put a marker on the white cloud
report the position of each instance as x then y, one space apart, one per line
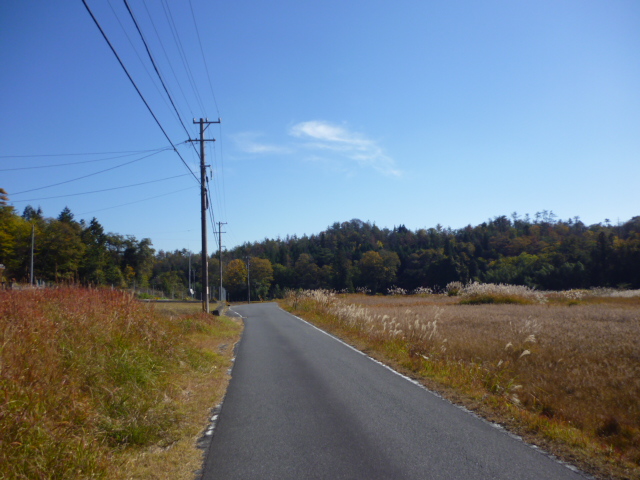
350 145
248 143
326 144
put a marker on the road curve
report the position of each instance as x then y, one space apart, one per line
302 405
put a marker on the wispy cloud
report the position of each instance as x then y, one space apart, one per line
353 146
325 143
248 142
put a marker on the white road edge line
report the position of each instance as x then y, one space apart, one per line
204 441
461 407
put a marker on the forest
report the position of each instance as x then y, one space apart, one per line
538 251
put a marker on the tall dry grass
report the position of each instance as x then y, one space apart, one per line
85 374
567 368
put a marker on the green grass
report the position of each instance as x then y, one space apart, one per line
492 298
87 375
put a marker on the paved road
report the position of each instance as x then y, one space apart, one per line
302 405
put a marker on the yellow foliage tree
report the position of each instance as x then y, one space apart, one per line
235 277
261 276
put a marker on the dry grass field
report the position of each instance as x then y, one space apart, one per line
561 369
95 384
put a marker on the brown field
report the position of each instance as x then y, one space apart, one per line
95 384
561 369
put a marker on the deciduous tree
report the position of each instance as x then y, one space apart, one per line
235 277
261 276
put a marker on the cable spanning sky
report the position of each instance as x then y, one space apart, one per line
414 113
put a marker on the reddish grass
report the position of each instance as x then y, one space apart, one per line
86 374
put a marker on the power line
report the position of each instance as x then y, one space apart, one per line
214 177
77 163
218 191
144 65
218 180
138 201
86 176
155 67
220 172
132 152
211 215
100 191
171 231
224 189
95 20
204 59
144 2
183 57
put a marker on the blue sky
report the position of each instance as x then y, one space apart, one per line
411 112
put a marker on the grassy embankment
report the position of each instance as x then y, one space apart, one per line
94 384
562 369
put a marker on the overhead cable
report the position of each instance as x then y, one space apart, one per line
153 24
95 20
211 216
224 190
100 191
132 152
135 50
216 180
183 56
204 59
78 163
155 67
139 201
85 176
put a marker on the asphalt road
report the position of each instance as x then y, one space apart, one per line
302 405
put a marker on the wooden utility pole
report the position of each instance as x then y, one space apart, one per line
220 232
33 242
204 123
248 279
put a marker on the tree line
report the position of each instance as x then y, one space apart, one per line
68 251
540 251
78 252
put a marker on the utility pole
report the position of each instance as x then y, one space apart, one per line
220 232
248 279
33 242
204 123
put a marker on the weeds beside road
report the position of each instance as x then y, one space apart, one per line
98 385
561 369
